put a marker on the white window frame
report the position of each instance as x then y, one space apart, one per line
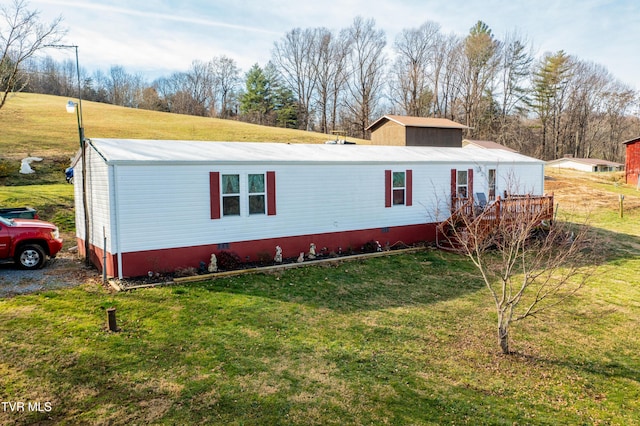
395 188
230 195
460 186
492 179
251 194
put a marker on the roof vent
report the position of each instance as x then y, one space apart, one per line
339 142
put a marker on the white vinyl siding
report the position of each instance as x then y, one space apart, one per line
99 200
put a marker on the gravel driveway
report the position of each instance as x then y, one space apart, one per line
63 271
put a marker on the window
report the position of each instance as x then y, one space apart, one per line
462 184
243 194
231 195
256 194
492 184
398 188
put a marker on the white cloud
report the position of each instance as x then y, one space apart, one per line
164 35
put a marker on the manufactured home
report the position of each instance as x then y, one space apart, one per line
158 206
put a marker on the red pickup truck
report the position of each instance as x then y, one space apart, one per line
28 242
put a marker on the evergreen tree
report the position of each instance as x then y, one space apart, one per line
287 111
256 103
266 101
549 83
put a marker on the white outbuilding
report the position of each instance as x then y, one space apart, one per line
585 164
158 205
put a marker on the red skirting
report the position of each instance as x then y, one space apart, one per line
168 260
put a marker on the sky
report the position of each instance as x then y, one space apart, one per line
159 37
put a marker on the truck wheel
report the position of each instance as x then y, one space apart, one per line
30 256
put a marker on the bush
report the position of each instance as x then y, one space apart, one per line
228 260
8 168
370 247
186 272
264 258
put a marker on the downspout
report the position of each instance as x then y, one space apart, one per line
116 211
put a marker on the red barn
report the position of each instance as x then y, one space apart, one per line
632 164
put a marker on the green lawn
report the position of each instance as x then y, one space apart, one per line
405 339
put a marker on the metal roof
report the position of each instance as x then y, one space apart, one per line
588 161
407 121
486 145
171 151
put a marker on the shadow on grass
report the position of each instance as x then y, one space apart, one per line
614 368
613 246
396 280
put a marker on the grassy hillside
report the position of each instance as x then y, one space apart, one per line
39 125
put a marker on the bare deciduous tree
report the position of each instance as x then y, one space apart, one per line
199 84
226 77
21 36
189 92
527 262
446 79
367 62
123 88
331 69
296 57
582 131
410 88
617 102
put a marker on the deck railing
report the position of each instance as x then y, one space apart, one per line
469 218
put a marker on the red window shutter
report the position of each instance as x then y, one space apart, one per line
470 184
454 183
271 193
214 194
409 188
387 188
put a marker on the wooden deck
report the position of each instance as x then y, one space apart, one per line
469 223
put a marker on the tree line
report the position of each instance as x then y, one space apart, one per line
342 80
